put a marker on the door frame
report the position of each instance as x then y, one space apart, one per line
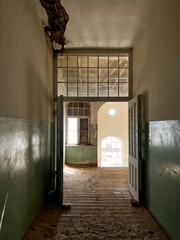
60 144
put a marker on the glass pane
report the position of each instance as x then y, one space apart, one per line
103 89
75 104
72 124
82 73
82 89
103 61
72 89
93 74
62 74
81 112
123 89
62 89
62 61
113 61
72 74
81 104
113 72
103 80
72 80
123 75
93 60
108 139
86 105
87 112
113 145
82 80
69 112
72 138
70 104
72 61
82 61
75 112
124 60
103 73
93 89
113 89
113 75
113 80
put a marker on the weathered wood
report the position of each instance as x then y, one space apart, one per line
57 18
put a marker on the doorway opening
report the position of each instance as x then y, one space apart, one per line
113 135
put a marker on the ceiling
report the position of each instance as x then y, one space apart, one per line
104 23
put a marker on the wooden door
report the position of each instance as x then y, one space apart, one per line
135 147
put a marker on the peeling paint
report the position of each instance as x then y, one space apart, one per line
94 134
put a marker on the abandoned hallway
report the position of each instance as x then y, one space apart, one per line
100 209
82 82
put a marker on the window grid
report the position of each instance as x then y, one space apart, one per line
78 109
94 88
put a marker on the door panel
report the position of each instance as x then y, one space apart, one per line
134 146
83 130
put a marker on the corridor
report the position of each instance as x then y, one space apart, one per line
100 209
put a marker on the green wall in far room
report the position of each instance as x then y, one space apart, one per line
81 154
161 163
25 154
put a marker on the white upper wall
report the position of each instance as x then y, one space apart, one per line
26 69
115 126
157 63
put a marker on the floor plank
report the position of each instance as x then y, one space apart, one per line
100 209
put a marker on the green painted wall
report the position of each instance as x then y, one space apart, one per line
25 153
156 61
81 154
26 92
161 160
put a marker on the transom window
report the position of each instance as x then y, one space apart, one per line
93 74
78 122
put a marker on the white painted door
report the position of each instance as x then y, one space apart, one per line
134 117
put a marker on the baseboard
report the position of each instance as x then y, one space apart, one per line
159 223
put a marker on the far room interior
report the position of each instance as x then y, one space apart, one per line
96 133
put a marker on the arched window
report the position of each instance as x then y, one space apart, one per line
78 122
111 152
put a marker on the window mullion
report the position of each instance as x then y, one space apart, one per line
108 74
67 73
77 75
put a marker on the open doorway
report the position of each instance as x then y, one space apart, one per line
113 135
